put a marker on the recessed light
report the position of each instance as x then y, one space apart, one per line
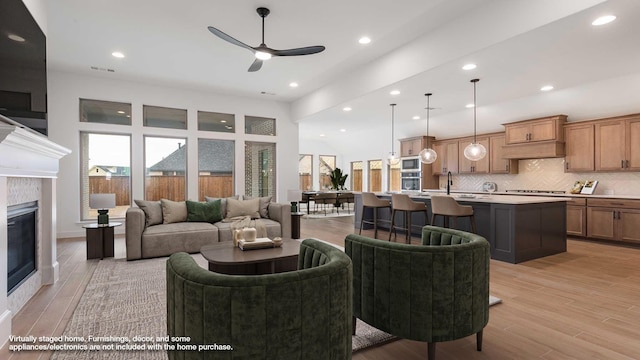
546 88
364 40
293 84
322 135
603 20
395 92
223 121
17 38
346 108
120 112
469 106
416 117
343 130
117 54
469 67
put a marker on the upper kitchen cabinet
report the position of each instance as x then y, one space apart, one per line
498 164
535 139
543 129
447 159
466 166
411 146
579 147
617 144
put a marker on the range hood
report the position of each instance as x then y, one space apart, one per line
535 150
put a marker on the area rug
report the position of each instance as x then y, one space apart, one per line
128 299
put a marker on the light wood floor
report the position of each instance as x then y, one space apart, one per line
583 304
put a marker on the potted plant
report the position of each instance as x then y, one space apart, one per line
338 179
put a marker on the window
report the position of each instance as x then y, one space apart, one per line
162 117
326 167
259 171
394 177
165 162
106 161
215 168
259 126
218 122
356 175
105 112
375 175
305 170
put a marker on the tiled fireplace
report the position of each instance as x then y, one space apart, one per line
28 170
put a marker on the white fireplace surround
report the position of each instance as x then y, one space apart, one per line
27 154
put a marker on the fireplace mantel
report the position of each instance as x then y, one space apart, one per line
27 154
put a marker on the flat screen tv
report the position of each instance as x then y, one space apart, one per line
23 67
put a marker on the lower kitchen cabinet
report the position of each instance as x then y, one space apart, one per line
613 219
577 217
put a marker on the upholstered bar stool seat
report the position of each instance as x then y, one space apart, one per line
403 203
448 207
370 200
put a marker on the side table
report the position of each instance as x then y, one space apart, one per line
100 240
295 224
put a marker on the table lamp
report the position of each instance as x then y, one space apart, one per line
102 202
294 196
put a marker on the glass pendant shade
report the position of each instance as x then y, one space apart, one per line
475 151
393 159
428 156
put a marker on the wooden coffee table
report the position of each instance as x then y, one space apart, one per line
228 259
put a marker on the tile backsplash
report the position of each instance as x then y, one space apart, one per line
548 174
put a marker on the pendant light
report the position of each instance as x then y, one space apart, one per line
428 155
393 158
475 151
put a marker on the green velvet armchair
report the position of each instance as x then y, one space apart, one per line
434 292
303 314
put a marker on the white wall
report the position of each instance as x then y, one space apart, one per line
65 90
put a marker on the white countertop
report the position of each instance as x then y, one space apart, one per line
486 198
600 196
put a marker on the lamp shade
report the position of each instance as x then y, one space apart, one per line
294 195
102 201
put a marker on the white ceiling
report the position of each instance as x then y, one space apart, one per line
418 46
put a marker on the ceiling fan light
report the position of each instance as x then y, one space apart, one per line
263 55
428 156
475 152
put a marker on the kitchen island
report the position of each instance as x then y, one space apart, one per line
519 228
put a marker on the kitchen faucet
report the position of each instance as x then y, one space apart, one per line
449 182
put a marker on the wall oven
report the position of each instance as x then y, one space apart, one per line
411 180
410 164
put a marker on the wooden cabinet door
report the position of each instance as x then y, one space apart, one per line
451 160
633 145
601 223
576 220
465 166
579 147
516 134
437 168
405 148
543 130
498 164
482 166
629 225
610 146
410 147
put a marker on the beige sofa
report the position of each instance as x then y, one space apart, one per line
148 238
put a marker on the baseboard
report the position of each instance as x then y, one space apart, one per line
5 327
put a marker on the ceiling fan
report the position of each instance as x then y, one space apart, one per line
263 52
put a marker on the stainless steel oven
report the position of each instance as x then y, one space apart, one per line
411 180
410 164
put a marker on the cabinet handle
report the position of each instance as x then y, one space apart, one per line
566 165
614 215
627 162
622 164
507 166
617 204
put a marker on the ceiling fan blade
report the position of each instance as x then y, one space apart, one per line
228 38
298 51
257 64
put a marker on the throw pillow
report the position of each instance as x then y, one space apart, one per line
223 202
264 205
152 211
173 211
243 208
204 212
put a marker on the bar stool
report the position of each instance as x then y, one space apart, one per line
448 207
402 202
370 200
